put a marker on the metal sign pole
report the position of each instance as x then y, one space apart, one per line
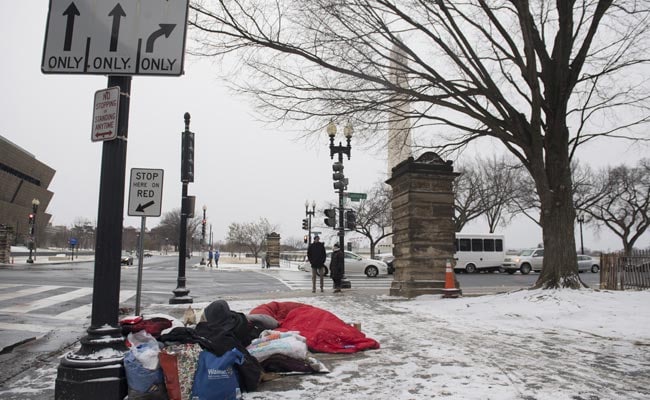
138 289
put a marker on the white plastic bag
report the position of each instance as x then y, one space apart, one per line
145 349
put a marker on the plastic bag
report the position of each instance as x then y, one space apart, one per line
215 377
139 377
145 349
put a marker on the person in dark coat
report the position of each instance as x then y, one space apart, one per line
316 256
336 267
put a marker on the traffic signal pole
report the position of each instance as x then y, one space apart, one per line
181 293
341 216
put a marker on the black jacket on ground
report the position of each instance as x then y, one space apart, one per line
316 254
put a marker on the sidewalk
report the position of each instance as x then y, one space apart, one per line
538 345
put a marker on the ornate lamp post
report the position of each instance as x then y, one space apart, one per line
32 230
581 220
309 214
341 182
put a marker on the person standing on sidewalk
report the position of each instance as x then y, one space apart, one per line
216 258
210 257
316 256
336 267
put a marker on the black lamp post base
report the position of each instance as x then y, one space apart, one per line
96 370
181 296
30 261
97 381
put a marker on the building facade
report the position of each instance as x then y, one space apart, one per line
22 179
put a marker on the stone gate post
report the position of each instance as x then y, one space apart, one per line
273 249
423 228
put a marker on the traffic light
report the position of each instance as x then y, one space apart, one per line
203 228
187 157
350 219
330 213
305 224
340 181
31 223
305 239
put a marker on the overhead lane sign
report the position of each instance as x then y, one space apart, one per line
115 37
145 193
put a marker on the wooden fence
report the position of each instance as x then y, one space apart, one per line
620 271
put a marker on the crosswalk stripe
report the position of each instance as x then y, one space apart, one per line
8 285
48 301
26 292
86 310
24 327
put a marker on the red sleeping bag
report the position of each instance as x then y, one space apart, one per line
324 331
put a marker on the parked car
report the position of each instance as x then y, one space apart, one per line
354 264
524 262
127 259
587 263
389 259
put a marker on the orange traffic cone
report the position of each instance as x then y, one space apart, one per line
450 291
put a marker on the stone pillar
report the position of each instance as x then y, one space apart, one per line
6 238
423 238
273 249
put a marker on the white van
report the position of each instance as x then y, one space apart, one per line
479 252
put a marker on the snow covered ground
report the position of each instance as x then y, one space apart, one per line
563 344
529 344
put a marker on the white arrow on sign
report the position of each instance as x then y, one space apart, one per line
145 192
143 37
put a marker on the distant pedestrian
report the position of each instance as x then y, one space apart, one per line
316 256
210 258
216 258
267 260
336 267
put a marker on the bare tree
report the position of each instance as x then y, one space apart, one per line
467 199
539 77
374 215
499 177
169 227
250 235
84 231
624 207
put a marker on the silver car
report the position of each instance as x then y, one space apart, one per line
587 263
354 264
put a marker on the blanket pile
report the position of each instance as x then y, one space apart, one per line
324 331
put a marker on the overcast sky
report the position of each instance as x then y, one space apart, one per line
244 169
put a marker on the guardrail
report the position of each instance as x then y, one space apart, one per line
620 271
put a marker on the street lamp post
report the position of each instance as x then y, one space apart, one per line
342 183
32 230
309 214
581 220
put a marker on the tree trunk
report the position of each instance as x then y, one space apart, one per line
560 265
